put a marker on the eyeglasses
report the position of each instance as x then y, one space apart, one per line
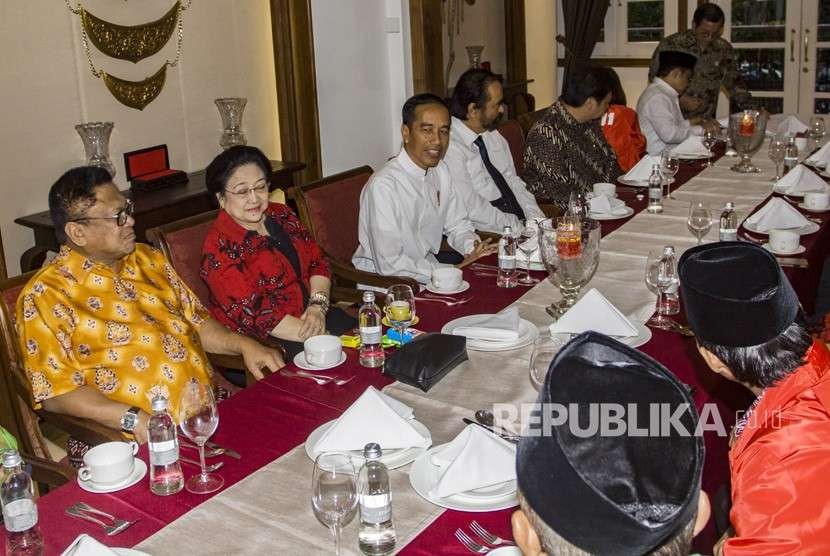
258 189
120 217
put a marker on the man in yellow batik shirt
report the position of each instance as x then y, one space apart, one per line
108 324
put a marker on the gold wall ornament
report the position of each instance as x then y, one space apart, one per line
131 43
136 94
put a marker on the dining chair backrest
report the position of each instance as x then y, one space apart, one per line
511 130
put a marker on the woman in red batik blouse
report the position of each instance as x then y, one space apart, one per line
267 276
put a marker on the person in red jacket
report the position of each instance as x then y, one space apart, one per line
621 127
750 329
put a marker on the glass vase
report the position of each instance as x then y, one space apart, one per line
96 138
231 109
474 55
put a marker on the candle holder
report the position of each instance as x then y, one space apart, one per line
231 109
96 138
747 130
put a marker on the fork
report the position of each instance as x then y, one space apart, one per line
208 468
446 302
469 543
80 511
487 536
319 380
335 379
209 453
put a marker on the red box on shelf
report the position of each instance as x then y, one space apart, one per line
149 169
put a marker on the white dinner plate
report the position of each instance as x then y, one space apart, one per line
527 335
798 251
604 216
807 229
390 458
505 551
642 337
300 361
690 156
633 183
798 194
465 285
805 207
424 476
139 470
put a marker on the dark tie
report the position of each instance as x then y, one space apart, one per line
507 202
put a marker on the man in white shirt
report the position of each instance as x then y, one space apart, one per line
479 159
409 204
661 120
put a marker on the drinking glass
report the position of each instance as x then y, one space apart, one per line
528 242
747 131
400 308
669 165
570 252
699 221
544 350
710 138
198 419
334 492
661 274
777 150
817 128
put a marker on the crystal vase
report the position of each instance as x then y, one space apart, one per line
474 55
96 138
747 131
231 110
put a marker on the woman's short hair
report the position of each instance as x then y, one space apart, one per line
221 168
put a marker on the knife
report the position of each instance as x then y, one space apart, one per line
793 262
228 451
509 437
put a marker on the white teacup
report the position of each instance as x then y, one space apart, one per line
322 351
607 189
784 241
109 463
447 278
801 144
817 200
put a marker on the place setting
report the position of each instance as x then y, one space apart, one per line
639 174
447 281
693 147
502 331
605 205
320 353
596 313
815 201
110 467
799 181
781 215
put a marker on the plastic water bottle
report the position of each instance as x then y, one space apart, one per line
728 223
377 531
166 475
369 317
507 276
19 509
671 301
655 190
790 155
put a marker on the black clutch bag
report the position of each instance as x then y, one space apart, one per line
425 360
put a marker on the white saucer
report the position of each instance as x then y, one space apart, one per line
390 458
803 206
506 551
798 251
423 476
605 216
300 361
527 335
465 285
633 183
807 229
642 337
798 194
139 470
690 156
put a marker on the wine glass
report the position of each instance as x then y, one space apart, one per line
710 138
334 492
661 274
544 350
699 221
777 150
669 165
528 242
198 419
400 308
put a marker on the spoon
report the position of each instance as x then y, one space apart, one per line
485 417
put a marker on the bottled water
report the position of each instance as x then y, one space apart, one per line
165 470
728 223
507 276
369 317
655 190
790 155
19 509
377 532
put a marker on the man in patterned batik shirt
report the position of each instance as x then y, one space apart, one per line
108 324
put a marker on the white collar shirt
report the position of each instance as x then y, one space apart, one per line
404 212
473 183
661 120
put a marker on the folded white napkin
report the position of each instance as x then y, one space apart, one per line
821 157
84 545
602 204
503 326
642 170
373 417
474 459
800 180
777 214
790 125
691 146
594 312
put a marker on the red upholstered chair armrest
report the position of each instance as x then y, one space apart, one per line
85 430
350 273
49 473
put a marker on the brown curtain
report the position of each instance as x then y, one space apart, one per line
583 21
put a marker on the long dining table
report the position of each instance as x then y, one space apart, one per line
264 506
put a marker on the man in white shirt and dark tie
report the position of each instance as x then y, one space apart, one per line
409 205
479 159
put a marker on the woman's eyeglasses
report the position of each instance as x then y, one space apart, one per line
258 189
120 217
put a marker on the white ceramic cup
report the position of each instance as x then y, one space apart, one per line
784 241
801 143
109 463
607 189
322 351
447 279
817 200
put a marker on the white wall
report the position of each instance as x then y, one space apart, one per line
362 61
46 88
483 24
540 30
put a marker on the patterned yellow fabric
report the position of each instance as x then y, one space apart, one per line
132 335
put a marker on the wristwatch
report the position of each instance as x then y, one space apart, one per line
321 300
130 419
